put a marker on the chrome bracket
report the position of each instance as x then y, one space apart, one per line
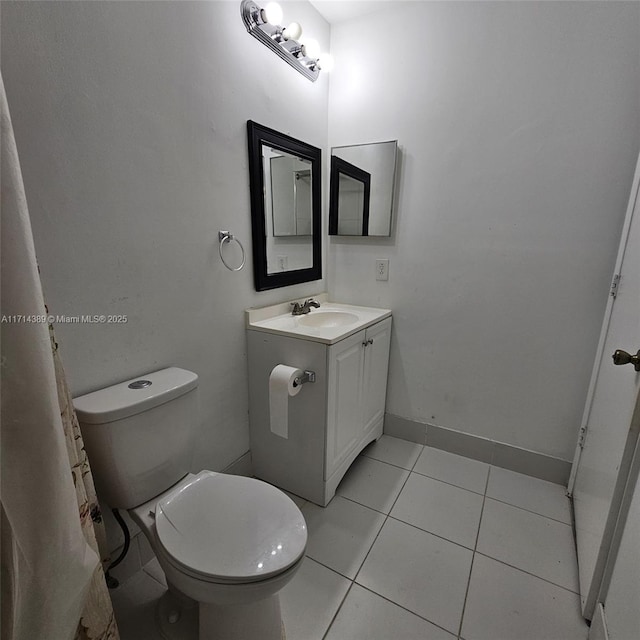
307 376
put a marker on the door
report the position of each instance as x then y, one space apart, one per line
344 401
376 365
602 467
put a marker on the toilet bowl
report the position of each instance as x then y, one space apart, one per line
227 544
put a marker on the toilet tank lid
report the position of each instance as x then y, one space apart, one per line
134 396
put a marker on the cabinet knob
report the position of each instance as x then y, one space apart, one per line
367 342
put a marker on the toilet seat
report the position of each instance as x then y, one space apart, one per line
229 529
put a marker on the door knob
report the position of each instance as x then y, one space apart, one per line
622 357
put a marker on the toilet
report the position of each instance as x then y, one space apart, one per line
227 544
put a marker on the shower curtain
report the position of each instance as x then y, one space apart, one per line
52 581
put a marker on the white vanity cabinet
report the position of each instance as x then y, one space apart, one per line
332 419
357 378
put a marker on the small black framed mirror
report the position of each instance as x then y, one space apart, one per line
350 193
285 177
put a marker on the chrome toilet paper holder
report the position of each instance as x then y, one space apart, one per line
307 376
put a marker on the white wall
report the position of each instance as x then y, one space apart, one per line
518 124
130 121
519 127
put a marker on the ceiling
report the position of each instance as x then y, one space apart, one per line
335 11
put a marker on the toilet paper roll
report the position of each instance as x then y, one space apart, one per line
281 388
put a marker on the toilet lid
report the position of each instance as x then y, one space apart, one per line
230 528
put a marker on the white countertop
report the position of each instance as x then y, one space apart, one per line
338 321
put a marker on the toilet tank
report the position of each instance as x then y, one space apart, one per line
139 435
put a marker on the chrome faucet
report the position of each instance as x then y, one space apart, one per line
301 309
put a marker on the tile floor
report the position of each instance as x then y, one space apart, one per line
419 544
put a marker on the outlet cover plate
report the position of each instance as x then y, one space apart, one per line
382 269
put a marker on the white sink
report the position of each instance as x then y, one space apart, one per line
328 319
330 323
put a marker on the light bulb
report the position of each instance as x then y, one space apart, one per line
312 48
292 32
272 13
325 62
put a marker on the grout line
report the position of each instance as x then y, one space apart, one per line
473 557
330 568
396 466
366 506
435 535
352 580
374 541
529 511
162 584
335 615
413 613
388 516
466 595
533 575
385 521
326 566
457 486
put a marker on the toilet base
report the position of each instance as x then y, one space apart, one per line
180 618
259 620
177 617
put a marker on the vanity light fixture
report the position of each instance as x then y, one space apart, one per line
263 24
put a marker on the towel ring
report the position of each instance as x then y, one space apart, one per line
227 236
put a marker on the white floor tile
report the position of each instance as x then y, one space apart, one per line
506 604
530 542
130 565
299 502
401 453
546 498
134 604
420 572
440 508
372 483
154 570
449 467
341 534
366 616
145 550
310 601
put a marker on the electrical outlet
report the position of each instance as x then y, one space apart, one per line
382 269
282 262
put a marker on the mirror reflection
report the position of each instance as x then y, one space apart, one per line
378 161
285 208
290 193
287 181
349 199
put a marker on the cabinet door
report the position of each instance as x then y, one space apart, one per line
374 392
344 417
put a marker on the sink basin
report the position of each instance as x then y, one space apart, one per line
328 319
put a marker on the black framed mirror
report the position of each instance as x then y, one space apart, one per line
350 193
285 178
